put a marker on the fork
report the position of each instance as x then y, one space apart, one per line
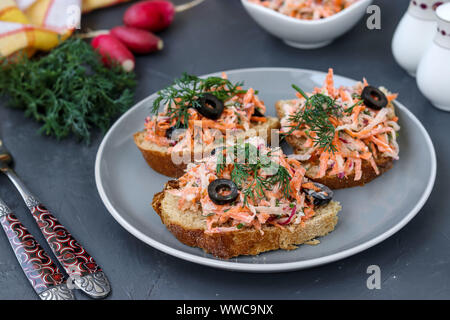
85 273
44 275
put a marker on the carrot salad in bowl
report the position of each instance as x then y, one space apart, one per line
341 131
306 9
215 104
249 186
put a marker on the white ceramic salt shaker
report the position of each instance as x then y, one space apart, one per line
433 73
415 33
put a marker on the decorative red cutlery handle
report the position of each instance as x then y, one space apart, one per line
44 275
85 273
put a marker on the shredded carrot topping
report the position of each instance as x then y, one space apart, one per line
240 111
360 133
306 9
272 206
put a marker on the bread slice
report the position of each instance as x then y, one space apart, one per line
160 159
189 228
334 182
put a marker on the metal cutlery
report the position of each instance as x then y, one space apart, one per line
85 273
43 274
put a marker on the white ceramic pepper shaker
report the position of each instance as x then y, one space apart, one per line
415 33
433 73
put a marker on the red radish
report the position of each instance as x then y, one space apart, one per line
137 40
113 51
286 221
154 15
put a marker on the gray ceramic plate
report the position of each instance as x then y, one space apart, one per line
370 214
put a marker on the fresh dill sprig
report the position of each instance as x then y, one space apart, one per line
246 174
186 91
316 114
69 90
349 110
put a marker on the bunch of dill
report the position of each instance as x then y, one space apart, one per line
69 90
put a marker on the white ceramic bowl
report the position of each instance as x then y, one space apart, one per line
306 34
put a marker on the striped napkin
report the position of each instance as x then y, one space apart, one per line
32 25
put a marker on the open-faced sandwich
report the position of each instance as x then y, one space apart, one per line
198 114
344 136
245 199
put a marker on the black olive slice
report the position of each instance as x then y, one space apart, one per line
258 113
210 107
322 197
169 132
218 149
218 185
374 98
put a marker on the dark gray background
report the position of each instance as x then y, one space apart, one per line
219 35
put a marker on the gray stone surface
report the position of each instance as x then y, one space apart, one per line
219 35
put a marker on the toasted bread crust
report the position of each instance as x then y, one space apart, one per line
334 182
247 241
161 160
368 174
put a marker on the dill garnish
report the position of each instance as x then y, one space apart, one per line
246 174
316 114
68 90
186 91
349 110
